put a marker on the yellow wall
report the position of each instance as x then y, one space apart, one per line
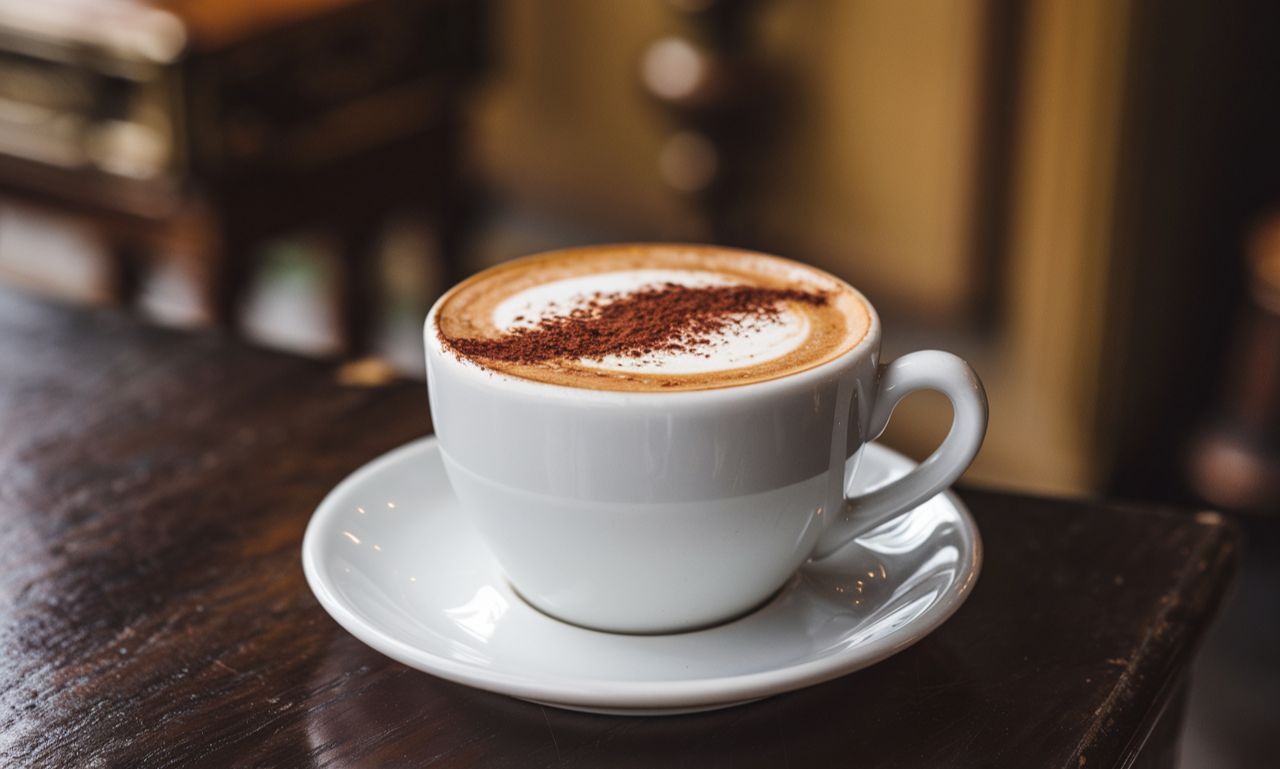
875 181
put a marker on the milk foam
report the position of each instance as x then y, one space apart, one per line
756 340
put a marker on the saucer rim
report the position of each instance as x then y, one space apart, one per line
624 694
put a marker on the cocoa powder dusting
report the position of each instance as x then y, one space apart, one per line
670 317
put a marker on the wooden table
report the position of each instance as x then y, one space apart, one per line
154 487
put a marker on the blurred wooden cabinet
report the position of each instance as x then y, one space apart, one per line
203 127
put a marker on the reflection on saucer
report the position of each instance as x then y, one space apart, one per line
479 616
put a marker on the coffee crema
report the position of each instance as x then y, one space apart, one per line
650 317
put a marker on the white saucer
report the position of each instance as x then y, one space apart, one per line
393 560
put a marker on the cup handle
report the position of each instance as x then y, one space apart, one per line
926 369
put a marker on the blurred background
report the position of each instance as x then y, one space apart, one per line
1081 198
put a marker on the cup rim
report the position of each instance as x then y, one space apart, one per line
483 376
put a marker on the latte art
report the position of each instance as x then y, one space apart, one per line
650 317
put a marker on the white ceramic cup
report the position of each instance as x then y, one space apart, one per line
655 512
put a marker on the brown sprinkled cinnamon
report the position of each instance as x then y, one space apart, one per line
666 318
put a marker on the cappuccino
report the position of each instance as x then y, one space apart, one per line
651 318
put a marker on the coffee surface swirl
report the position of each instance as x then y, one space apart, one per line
650 317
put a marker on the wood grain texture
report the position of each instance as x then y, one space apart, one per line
154 488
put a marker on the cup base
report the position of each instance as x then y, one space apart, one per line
673 630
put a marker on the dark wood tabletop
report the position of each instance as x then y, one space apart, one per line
154 488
